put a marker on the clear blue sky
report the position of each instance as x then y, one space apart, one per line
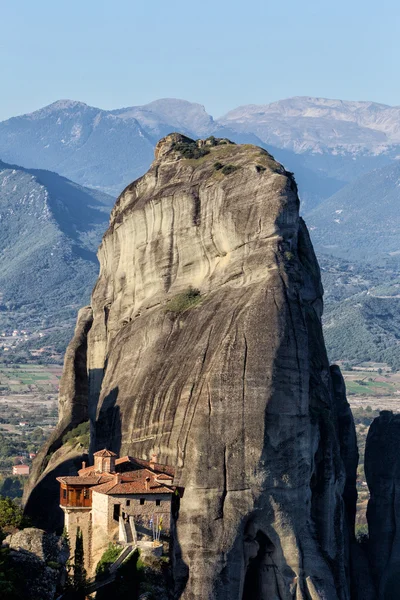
219 53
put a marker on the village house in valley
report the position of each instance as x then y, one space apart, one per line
125 500
20 469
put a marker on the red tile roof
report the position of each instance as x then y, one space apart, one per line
135 482
86 480
146 477
104 452
139 463
22 468
148 464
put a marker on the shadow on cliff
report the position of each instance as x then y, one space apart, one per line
43 504
108 427
303 407
30 575
257 561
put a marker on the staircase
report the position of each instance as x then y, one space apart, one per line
127 551
94 585
128 531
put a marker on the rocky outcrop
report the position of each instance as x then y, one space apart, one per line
206 348
357 565
382 470
38 560
54 458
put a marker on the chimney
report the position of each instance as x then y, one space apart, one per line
147 484
117 477
83 465
153 461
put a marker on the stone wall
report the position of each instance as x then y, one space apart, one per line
104 528
142 513
82 518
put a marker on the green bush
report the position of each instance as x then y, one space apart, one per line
362 535
11 486
108 558
11 515
260 169
184 301
127 582
218 166
228 169
189 149
8 575
211 141
80 434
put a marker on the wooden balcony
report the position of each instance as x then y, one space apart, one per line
75 496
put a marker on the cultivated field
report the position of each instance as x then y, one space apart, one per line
28 397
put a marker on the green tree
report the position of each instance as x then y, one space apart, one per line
11 514
7 574
37 435
11 487
79 571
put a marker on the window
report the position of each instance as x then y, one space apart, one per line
117 508
128 502
64 494
142 501
86 493
158 502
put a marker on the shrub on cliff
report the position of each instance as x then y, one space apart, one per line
108 558
80 434
189 149
184 301
228 169
127 582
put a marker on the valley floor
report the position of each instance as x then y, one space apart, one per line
371 387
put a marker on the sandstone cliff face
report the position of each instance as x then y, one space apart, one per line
232 385
41 494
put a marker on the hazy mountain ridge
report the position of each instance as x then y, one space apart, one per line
362 220
305 123
107 149
86 144
50 230
188 117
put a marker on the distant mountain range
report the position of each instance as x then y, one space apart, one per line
317 124
362 220
50 231
344 156
327 143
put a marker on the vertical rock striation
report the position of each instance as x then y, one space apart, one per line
206 348
382 470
